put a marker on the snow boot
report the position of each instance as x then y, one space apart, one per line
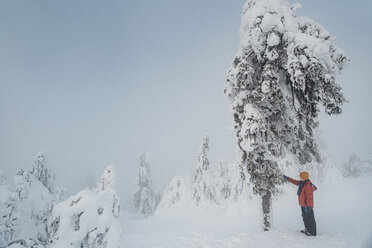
304 231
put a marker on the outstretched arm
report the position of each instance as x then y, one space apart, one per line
291 180
295 182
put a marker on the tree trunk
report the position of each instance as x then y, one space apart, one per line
266 209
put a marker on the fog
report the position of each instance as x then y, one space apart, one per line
96 83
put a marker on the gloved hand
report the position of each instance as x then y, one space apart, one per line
307 209
285 177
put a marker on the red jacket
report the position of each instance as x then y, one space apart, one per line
306 197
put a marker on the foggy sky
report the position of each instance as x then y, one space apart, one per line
97 83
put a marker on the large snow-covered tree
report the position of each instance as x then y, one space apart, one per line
203 187
145 199
284 71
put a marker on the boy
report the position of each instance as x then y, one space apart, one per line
306 201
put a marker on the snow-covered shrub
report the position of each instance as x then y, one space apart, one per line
88 219
356 166
204 191
145 199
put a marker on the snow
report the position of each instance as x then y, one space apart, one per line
273 39
341 209
271 22
252 112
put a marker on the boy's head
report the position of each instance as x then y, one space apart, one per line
304 175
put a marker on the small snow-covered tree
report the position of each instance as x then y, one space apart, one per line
107 180
91 218
203 180
145 199
240 186
285 69
27 208
223 183
43 174
178 193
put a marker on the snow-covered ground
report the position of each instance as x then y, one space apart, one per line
343 212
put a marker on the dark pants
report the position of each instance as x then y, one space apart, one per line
309 221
